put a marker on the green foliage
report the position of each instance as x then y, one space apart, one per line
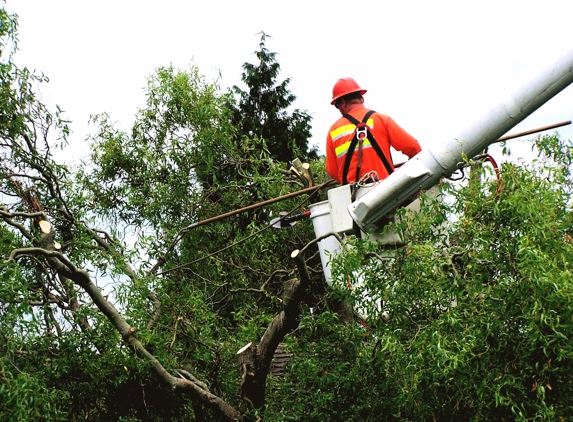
176 142
26 398
8 31
181 164
262 111
326 377
469 319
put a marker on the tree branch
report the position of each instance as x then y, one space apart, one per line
64 267
255 360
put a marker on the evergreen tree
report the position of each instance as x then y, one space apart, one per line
262 109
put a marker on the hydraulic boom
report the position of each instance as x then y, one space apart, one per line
427 168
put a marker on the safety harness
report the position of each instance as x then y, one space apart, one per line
361 133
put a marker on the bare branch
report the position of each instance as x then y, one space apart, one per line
7 215
185 374
318 239
156 310
262 288
20 228
21 252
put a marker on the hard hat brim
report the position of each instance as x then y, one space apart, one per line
334 100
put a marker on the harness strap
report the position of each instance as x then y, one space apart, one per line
362 132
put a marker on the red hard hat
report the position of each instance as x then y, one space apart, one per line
343 87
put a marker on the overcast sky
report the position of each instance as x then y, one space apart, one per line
434 66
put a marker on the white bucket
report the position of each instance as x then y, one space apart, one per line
330 246
320 214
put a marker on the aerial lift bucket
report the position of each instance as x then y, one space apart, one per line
426 169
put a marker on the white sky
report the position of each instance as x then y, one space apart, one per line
434 66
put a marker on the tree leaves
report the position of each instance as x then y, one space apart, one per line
469 319
262 109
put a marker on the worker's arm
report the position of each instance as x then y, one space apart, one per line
400 139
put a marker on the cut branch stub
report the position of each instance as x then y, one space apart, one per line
45 226
248 362
302 171
244 348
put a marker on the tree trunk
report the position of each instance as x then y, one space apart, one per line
255 360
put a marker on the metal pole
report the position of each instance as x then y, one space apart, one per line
532 131
258 205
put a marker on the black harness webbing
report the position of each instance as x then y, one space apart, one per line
362 127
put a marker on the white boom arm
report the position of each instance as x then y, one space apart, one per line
427 168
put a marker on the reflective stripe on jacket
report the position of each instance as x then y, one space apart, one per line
346 130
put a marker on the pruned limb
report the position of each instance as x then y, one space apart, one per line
255 360
301 170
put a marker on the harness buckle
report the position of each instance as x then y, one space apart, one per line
361 132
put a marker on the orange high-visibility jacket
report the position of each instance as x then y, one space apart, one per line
386 132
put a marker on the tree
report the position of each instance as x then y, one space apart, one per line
167 174
172 321
474 316
116 305
262 109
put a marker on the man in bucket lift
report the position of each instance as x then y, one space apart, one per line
358 144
